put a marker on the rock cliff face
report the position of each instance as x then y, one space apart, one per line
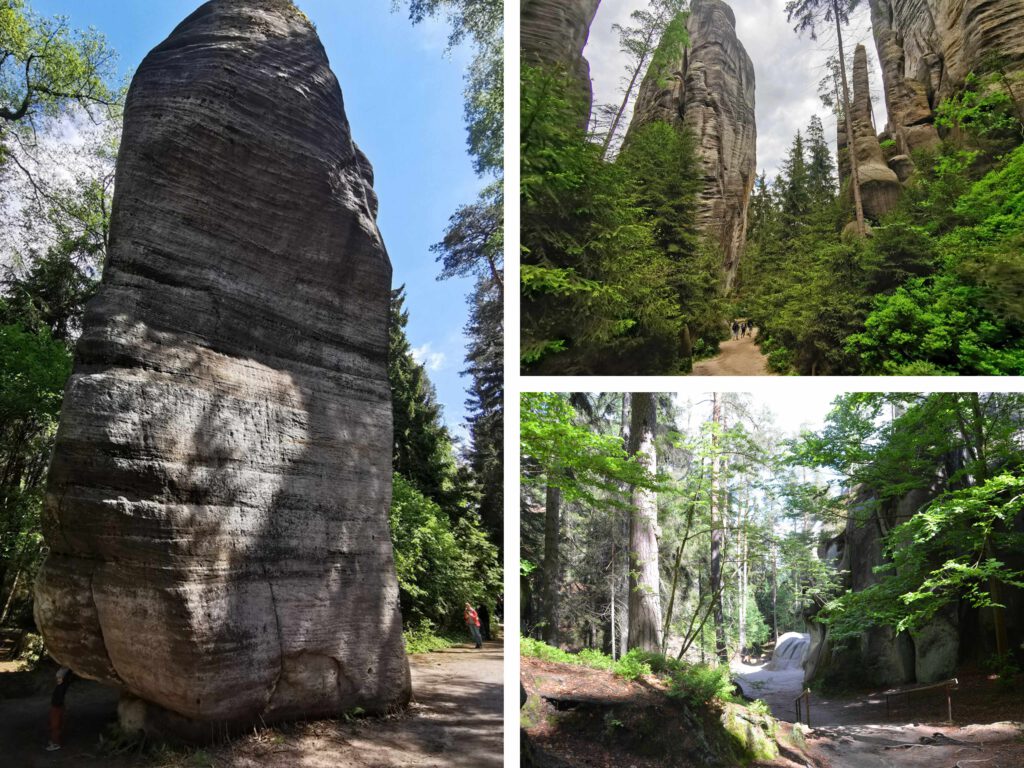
928 47
709 88
879 185
216 509
881 656
555 32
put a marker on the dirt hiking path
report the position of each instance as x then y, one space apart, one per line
737 357
455 721
853 732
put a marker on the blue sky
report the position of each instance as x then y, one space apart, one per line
403 97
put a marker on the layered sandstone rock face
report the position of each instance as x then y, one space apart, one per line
555 32
882 656
709 88
217 504
879 185
928 47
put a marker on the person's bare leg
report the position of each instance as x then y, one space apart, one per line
56 728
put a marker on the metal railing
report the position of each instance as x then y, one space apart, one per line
948 685
804 697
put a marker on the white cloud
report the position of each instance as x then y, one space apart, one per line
787 68
432 361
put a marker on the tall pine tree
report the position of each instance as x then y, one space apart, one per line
422 445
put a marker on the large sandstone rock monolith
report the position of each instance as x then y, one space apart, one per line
216 509
879 185
928 47
709 88
555 32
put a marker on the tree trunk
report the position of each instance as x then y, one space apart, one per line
10 597
851 141
551 569
717 531
644 576
775 588
648 49
742 578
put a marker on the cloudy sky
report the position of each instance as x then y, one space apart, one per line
787 68
403 97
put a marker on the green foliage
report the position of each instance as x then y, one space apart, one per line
968 318
983 109
422 445
633 665
759 707
952 549
33 371
441 565
597 294
661 162
47 68
673 42
536 649
569 455
479 22
935 291
630 667
423 638
701 685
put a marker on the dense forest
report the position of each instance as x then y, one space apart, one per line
701 531
447 506
623 273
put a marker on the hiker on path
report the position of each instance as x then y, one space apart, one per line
64 677
735 330
473 622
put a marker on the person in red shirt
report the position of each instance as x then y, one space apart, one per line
473 622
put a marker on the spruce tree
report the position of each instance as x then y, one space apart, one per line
821 179
422 445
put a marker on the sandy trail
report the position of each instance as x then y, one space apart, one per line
853 732
737 357
454 722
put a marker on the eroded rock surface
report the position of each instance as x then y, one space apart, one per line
879 185
216 510
709 88
555 32
928 47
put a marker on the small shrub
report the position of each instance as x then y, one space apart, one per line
424 638
759 707
780 360
633 665
590 657
537 649
700 685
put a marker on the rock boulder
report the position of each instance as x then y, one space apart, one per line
216 509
